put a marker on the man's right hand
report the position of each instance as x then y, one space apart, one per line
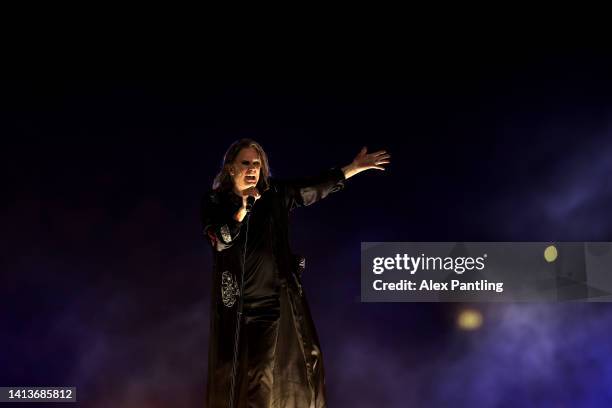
250 192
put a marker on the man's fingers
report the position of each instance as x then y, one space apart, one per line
380 160
379 156
253 192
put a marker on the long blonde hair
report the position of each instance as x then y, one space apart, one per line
224 180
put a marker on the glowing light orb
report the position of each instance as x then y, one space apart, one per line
469 319
550 253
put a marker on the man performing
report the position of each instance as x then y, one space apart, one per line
264 350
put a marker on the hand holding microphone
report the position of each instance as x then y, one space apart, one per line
249 197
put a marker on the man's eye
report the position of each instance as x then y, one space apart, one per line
246 163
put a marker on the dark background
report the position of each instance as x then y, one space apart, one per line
106 275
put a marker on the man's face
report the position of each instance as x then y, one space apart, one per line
246 169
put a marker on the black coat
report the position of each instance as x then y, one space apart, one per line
298 371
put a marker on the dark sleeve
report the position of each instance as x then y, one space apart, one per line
310 190
218 224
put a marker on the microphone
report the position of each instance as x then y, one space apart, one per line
250 202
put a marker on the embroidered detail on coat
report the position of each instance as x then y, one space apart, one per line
225 234
229 289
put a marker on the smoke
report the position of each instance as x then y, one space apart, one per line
532 354
127 363
523 355
567 195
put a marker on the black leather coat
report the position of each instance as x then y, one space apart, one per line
298 370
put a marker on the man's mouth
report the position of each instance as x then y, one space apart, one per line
250 179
